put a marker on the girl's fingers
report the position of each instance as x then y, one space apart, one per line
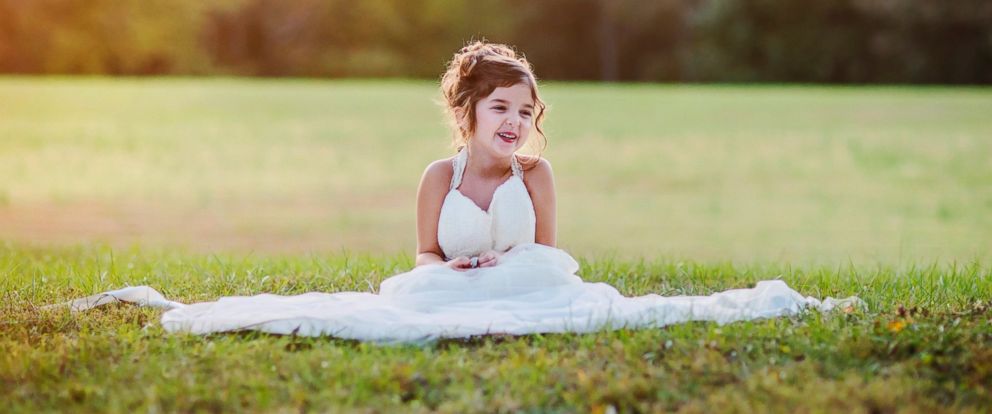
487 259
460 263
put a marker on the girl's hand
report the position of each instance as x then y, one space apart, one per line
460 263
489 258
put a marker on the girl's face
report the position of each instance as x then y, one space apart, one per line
503 120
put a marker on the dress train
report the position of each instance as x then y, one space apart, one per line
534 289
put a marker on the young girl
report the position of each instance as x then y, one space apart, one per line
475 206
486 256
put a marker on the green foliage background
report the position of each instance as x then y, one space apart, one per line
903 41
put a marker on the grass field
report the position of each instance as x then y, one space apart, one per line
206 188
781 174
924 344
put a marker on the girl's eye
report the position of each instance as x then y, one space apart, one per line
499 108
525 113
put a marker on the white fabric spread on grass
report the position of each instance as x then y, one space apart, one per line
533 288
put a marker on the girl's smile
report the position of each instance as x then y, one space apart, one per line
508 136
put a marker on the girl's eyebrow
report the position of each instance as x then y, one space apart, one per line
505 102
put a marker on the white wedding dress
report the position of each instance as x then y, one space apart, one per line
532 289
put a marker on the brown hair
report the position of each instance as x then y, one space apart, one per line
473 73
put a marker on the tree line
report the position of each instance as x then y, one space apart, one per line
834 41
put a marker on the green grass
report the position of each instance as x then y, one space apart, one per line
797 174
207 188
119 358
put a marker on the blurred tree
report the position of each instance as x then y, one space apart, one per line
656 40
101 37
842 41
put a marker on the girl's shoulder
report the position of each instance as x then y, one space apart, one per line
536 169
534 163
439 171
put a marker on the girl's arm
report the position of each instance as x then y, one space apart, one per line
430 196
540 183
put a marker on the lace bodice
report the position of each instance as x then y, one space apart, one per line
464 229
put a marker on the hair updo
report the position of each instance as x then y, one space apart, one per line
473 73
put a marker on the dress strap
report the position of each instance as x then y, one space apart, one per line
458 168
516 168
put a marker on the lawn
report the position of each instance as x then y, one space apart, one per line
924 343
203 188
820 175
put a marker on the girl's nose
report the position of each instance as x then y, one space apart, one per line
513 120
